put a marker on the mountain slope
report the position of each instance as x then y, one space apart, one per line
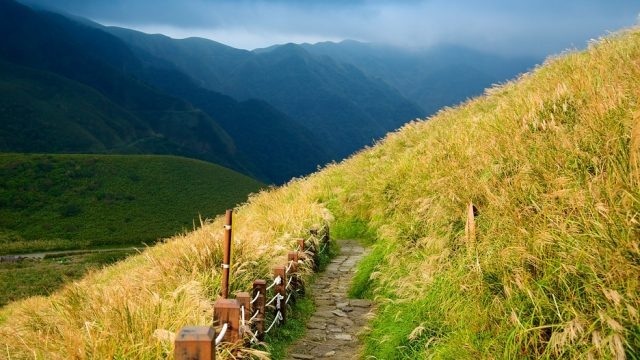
316 92
443 75
552 164
272 146
43 112
339 103
79 201
52 43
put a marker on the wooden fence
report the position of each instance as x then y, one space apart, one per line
250 315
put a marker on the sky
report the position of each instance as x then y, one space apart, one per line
516 27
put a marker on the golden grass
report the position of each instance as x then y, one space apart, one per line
551 163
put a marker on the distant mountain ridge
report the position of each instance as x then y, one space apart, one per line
152 93
318 93
439 76
272 113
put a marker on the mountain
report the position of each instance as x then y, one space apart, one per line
158 109
546 267
340 105
44 112
443 75
52 43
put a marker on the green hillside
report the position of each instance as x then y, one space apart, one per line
547 267
80 201
43 112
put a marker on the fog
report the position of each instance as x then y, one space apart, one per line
508 27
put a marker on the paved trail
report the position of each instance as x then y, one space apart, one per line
333 328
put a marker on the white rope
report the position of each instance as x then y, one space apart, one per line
289 282
254 316
276 319
254 339
256 298
278 297
289 266
242 318
323 247
276 281
222 333
288 296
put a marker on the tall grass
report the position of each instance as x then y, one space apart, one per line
550 161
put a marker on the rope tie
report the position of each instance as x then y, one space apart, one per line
275 320
255 298
278 297
223 332
276 281
242 318
254 339
254 316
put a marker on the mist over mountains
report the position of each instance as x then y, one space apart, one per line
72 85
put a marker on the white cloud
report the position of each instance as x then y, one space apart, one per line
240 38
508 26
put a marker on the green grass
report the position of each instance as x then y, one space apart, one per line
42 277
362 285
279 338
52 202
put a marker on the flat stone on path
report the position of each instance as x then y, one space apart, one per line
333 328
302 356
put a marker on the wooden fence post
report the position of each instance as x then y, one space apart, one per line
244 299
195 343
315 248
296 281
325 236
226 254
259 287
282 290
228 311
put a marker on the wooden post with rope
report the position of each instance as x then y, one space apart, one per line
259 290
281 289
244 300
227 311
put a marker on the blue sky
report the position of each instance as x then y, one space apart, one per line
509 27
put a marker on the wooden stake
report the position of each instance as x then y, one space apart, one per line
195 343
244 299
259 287
282 290
226 254
228 311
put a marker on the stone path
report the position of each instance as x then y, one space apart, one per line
333 328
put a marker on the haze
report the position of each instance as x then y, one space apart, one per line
504 26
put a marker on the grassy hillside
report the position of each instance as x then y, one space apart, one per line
79 201
552 163
43 112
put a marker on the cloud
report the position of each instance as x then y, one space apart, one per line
538 27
